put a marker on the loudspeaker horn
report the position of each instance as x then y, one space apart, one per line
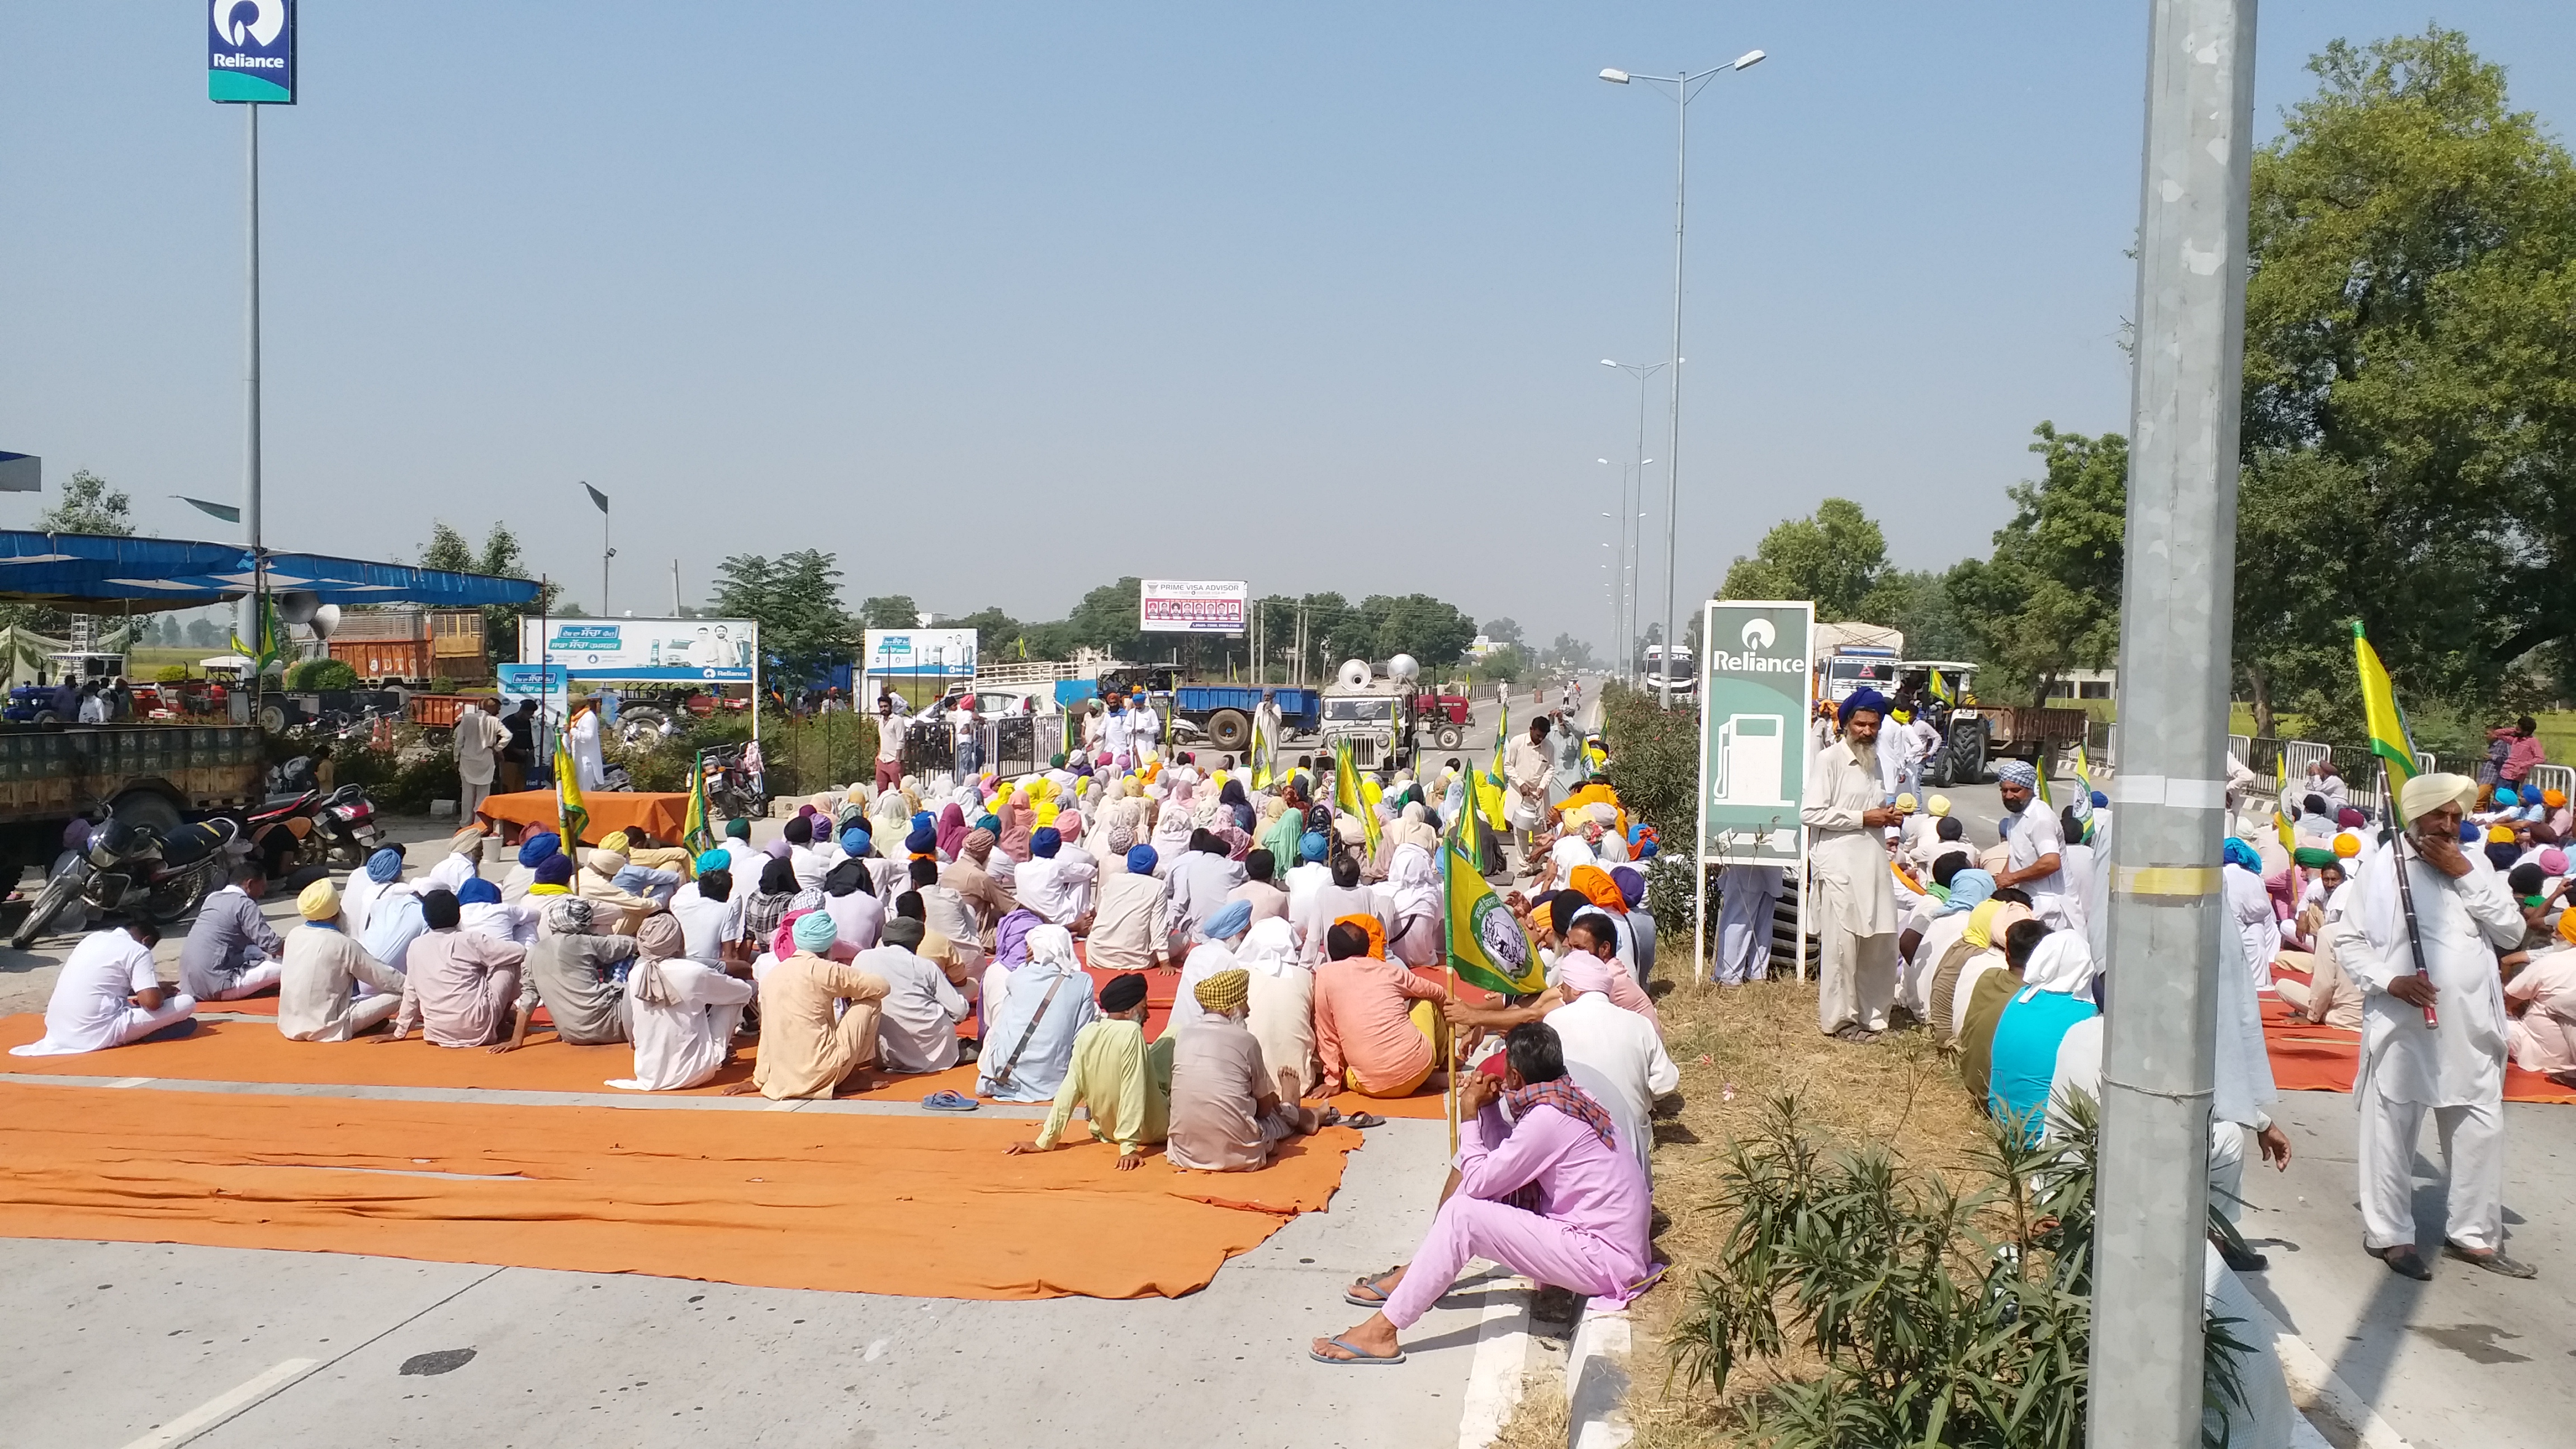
1354 674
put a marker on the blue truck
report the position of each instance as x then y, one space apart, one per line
1224 711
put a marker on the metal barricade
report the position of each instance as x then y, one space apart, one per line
2560 778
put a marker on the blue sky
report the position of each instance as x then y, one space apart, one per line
1002 301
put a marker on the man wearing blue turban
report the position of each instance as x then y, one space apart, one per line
1846 818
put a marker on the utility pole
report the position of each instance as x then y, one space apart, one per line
250 604
2176 617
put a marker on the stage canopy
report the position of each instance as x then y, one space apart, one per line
91 573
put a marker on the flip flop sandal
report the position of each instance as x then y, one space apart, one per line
1359 1286
945 1100
1357 1357
1364 1119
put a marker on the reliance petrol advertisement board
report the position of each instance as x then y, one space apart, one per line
678 651
948 653
1754 683
250 51
1195 606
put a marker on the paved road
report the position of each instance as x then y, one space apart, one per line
2467 1361
102 1343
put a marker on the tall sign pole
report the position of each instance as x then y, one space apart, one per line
250 62
2176 621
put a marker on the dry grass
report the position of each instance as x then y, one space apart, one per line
1738 1048
1542 1419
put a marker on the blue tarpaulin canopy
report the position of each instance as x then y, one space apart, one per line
84 571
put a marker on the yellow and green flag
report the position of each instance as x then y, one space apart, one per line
1262 749
570 818
1941 691
1346 792
2389 738
1487 946
1488 783
693 830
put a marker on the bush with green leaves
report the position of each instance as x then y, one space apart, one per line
321 674
1943 1316
1654 766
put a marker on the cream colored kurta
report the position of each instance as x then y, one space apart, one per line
1850 860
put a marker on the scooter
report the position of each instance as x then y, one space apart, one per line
122 867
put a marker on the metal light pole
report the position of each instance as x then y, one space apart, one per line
605 552
1685 86
1640 371
2176 613
250 619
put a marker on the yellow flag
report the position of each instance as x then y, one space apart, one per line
570 818
2389 739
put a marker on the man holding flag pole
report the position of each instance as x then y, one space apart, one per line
2432 917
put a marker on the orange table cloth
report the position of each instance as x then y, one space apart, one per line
2317 1058
920 1206
664 813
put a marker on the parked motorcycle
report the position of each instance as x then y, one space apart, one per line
124 868
300 824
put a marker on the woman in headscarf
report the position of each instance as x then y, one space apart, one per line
1282 1006
1969 888
764 908
889 821
1172 826
1019 825
2057 992
1414 889
1287 826
1218 935
1988 925
683 1013
952 830
1236 806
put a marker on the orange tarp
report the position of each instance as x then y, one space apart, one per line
663 813
2308 1058
854 1203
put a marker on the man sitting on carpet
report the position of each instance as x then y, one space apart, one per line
457 985
1543 1189
109 994
580 975
1226 1112
805 1050
1057 883
230 952
917 1018
318 995
1132 924
1378 1026
1126 1084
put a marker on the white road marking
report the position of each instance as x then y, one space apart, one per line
129 1082
223 1406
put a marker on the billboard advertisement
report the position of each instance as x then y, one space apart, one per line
546 684
250 51
1753 730
943 652
677 651
1195 606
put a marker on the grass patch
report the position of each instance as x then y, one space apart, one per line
1736 1049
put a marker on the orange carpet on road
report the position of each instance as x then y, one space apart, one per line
927 1207
2308 1058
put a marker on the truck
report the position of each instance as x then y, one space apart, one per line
1856 656
412 645
156 775
1224 711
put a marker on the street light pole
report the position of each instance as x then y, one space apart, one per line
1628 549
250 618
1683 91
2160 1050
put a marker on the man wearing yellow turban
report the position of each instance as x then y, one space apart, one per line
1226 1112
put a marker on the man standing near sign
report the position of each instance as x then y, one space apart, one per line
1857 978
889 743
478 736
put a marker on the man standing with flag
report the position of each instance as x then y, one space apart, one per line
1856 980
2434 1029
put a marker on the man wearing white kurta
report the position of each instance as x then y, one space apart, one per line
1527 770
2455 1066
478 737
1844 811
2034 858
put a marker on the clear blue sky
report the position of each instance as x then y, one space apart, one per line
1000 302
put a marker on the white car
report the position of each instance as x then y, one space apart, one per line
989 705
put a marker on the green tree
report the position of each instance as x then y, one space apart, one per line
2049 599
890 611
1834 558
1569 652
1501 631
796 599
2410 385
1433 632
502 557
90 505
1917 602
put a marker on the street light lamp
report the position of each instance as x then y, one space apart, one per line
1685 86
1640 371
